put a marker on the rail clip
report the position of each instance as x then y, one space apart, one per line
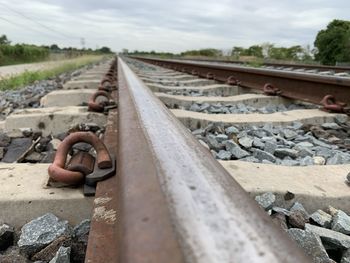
331 104
57 170
271 90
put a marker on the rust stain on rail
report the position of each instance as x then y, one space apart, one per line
103 238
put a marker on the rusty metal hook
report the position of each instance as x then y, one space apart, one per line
271 90
57 171
210 75
331 104
98 107
231 80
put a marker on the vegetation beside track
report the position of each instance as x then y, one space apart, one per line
30 77
25 53
331 47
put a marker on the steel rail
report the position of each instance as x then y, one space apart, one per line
336 69
176 202
295 85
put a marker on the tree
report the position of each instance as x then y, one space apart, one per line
105 50
255 51
4 40
236 51
333 43
54 47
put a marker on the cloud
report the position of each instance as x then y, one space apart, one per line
169 26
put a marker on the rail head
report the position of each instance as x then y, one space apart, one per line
204 215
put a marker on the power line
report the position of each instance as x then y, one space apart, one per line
38 23
21 26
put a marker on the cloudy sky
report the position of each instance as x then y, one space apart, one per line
174 26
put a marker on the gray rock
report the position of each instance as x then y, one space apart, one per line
81 231
302 145
297 125
266 200
322 218
339 158
299 207
329 237
34 157
235 150
195 107
221 137
13 255
266 162
250 159
289 134
341 223
246 142
40 232
305 152
17 147
284 152
6 236
288 162
322 151
260 133
331 125
346 257
62 255
204 106
320 143
341 118
257 143
270 146
213 143
198 132
280 210
231 130
4 140
311 244
262 155
306 161
224 155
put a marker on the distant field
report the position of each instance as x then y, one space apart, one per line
15 76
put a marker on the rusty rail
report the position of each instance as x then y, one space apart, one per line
295 85
336 69
174 202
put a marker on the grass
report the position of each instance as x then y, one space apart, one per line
29 77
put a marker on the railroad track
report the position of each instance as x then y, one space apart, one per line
164 195
340 71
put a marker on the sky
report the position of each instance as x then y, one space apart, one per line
172 26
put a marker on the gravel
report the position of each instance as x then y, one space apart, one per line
233 108
40 232
294 145
44 239
321 234
29 96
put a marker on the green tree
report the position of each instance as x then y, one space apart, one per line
255 51
333 43
236 51
4 40
105 50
